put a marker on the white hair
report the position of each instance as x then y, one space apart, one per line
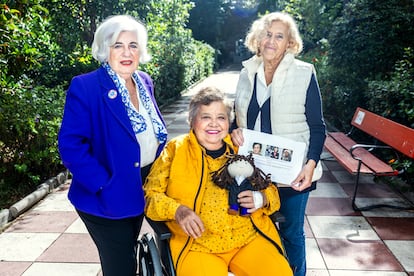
259 27
108 32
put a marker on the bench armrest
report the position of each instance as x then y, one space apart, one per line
370 148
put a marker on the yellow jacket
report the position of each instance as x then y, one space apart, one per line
179 177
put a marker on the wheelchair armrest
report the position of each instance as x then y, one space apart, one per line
160 229
277 217
163 234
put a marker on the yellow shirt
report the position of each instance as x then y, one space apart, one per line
223 232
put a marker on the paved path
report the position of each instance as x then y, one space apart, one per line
50 239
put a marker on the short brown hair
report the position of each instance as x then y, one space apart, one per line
205 96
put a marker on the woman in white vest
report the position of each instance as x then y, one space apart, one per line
278 94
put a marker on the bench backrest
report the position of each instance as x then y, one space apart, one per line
387 131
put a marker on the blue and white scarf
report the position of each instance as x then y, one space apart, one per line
138 122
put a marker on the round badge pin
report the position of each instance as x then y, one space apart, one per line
112 94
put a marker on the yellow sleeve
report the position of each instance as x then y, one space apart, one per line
159 206
272 198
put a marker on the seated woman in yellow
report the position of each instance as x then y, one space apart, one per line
206 240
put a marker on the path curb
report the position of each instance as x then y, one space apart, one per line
18 208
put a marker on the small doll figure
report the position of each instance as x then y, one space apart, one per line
240 174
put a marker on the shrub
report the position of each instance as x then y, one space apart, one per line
177 59
358 53
394 99
29 122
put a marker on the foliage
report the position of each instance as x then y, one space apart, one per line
25 41
198 62
206 19
168 40
73 24
394 98
75 21
29 112
29 122
222 23
407 166
177 59
314 19
365 42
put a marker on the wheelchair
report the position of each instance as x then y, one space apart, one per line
154 255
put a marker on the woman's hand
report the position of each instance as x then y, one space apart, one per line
189 221
237 137
252 200
304 179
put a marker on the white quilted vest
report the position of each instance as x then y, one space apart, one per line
287 107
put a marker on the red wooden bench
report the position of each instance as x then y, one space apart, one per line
357 158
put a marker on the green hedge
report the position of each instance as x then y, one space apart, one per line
30 116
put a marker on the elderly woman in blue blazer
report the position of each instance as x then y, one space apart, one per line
111 132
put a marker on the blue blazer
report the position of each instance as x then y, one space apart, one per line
98 146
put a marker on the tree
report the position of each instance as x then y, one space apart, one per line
394 98
365 43
25 39
222 23
29 112
73 24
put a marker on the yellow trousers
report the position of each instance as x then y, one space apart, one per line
257 258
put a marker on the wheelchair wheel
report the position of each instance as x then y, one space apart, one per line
148 257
